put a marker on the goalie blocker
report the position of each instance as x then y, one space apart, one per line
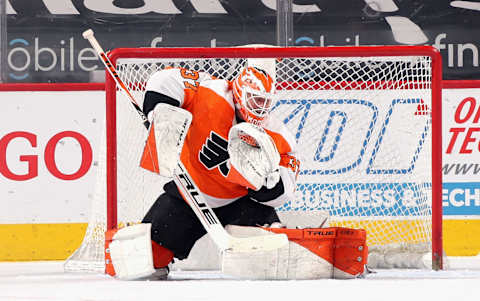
166 136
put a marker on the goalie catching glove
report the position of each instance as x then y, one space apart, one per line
168 129
254 158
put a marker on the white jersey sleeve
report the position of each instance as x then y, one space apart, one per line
173 82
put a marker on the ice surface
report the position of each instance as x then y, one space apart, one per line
41 281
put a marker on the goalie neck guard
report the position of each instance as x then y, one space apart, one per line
253 93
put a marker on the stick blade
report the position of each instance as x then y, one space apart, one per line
258 243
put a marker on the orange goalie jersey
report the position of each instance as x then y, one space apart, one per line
205 153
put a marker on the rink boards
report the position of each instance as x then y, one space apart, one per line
47 187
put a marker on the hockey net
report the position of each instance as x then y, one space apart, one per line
367 121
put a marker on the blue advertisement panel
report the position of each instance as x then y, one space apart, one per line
461 198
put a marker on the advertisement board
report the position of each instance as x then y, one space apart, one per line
49 145
359 156
44 42
49 150
461 158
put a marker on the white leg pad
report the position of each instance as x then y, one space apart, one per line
131 252
290 262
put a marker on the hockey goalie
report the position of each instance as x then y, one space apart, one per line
244 164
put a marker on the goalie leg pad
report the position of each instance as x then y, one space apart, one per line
293 261
350 254
312 253
131 252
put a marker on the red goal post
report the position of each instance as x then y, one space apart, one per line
348 107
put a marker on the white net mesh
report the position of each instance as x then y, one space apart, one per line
363 128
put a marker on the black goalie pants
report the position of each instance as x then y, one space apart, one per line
176 227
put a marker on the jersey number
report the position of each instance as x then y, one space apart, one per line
191 78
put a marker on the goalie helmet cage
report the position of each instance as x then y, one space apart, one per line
367 121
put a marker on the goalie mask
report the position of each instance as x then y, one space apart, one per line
253 94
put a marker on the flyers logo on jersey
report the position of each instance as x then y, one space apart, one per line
214 153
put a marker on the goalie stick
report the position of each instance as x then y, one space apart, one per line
189 189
